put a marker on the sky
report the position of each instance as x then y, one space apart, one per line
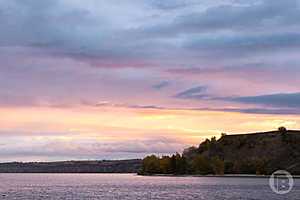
100 79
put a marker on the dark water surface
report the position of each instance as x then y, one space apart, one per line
131 187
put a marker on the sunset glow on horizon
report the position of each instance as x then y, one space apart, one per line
124 79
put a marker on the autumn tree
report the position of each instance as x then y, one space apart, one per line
217 165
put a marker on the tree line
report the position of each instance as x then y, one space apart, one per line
179 164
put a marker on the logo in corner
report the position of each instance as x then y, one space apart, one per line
281 182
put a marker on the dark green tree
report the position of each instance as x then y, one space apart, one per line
201 165
151 165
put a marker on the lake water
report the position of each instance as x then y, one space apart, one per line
131 187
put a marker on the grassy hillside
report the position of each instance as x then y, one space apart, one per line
256 153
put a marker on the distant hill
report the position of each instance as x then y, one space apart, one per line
105 166
255 153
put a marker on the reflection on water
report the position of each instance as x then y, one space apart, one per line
130 186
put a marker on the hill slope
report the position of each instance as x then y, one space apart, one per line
271 150
256 153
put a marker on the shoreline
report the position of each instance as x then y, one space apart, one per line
215 176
